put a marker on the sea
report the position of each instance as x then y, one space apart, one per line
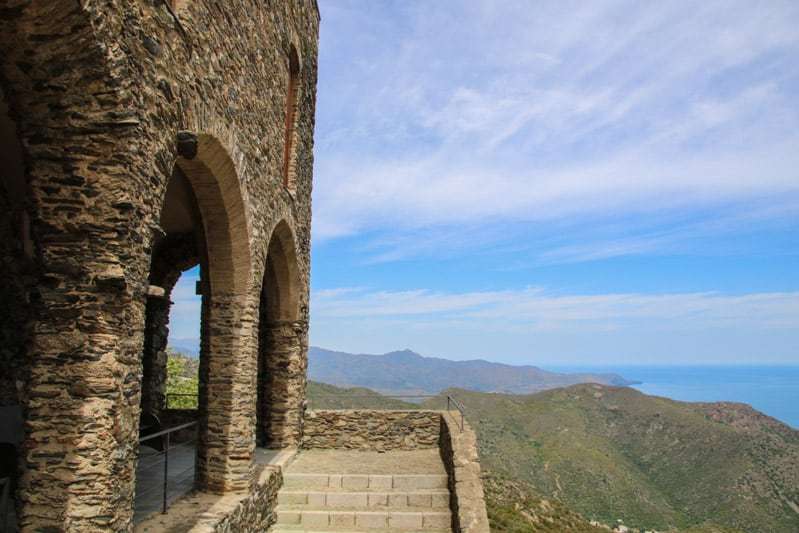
773 390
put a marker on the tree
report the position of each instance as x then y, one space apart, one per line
181 380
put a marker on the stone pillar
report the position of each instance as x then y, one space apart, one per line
227 403
156 333
281 382
83 400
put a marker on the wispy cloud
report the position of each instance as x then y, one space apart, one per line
537 308
534 325
503 112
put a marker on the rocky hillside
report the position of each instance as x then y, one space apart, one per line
613 453
408 372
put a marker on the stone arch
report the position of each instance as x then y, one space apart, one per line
281 361
281 286
204 220
214 180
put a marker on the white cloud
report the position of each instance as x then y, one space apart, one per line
438 114
537 308
537 326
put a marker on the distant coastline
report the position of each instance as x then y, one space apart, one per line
771 389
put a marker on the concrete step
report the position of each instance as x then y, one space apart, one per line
300 529
363 482
435 498
324 519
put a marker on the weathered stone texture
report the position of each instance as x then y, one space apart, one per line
282 382
467 500
371 429
99 92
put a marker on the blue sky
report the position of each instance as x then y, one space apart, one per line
557 182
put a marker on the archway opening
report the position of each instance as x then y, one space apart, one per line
169 394
202 240
281 367
183 345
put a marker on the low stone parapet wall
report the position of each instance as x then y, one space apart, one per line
380 430
235 512
467 500
374 430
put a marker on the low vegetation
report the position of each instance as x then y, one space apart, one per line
182 380
613 453
587 457
323 396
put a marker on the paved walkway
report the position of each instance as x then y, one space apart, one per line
150 478
358 462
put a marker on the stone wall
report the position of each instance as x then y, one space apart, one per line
253 511
467 500
256 512
374 430
100 93
281 384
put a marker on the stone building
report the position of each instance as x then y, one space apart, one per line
138 139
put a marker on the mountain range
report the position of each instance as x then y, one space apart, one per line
407 372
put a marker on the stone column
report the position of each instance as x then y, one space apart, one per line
83 400
153 394
227 414
281 382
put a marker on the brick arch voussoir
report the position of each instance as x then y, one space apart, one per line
220 195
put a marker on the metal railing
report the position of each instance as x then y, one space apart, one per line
461 408
5 497
164 441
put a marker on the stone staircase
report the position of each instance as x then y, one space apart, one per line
373 498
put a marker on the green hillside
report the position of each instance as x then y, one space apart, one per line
323 396
556 460
615 454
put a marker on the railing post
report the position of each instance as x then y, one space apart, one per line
5 483
166 470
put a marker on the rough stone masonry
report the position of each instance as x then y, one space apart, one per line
141 138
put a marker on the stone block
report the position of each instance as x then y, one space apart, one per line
420 499
315 519
334 481
378 499
292 498
288 517
315 481
398 499
342 519
381 482
355 482
371 519
417 482
405 520
317 499
346 499
439 499
436 520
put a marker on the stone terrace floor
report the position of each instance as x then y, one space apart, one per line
361 462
